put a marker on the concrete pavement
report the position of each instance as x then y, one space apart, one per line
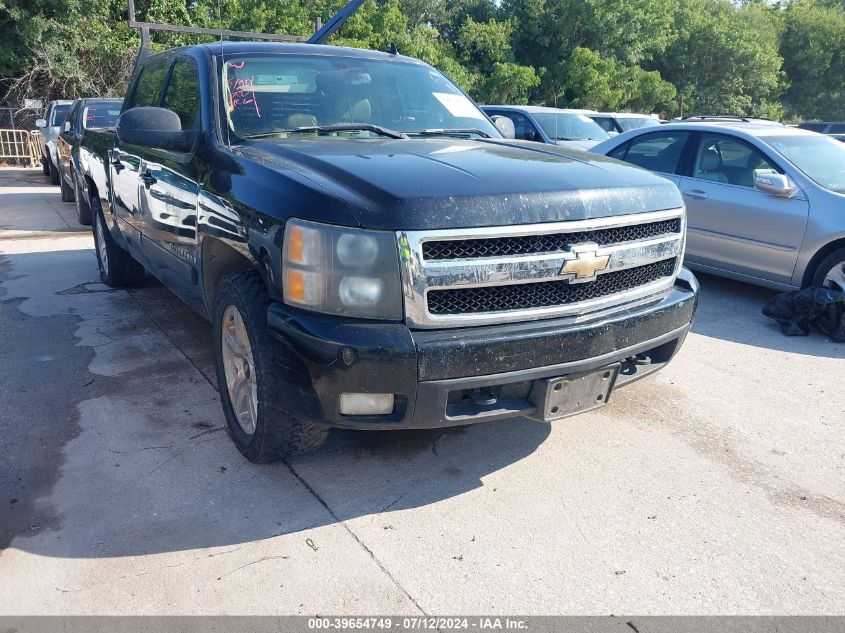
715 486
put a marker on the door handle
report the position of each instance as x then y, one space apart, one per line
696 194
148 178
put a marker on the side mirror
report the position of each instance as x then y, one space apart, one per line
774 184
41 123
66 127
504 125
153 127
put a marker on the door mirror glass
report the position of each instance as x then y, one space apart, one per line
773 183
66 126
153 127
40 123
504 125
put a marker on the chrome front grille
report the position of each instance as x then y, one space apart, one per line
463 277
543 294
553 242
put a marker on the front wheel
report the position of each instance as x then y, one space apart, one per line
83 210
54 172
247 364
67 190
831 272
45 165
117 268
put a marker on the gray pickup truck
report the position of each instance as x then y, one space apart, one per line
373 253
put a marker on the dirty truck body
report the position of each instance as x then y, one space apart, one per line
404 267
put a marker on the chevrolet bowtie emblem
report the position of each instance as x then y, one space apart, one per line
586 263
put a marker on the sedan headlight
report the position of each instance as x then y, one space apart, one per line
340 270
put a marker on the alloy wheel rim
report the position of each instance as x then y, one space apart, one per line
102 252
835 278
239 369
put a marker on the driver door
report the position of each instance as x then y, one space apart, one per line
733 226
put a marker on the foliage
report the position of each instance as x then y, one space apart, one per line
749 57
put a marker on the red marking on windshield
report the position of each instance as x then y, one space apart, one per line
239 88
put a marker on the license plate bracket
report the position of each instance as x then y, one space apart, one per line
557 398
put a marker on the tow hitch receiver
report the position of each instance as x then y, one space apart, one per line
557 398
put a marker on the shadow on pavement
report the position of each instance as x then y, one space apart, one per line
121 444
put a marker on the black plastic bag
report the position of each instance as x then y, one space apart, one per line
797 312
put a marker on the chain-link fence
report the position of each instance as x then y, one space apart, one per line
18 146
19 118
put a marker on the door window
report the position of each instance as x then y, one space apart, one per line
183 93
72 116
656 152
148 87
523 128
837 128
729 161
605 123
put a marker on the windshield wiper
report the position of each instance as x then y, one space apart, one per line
342 127
458 131
352 127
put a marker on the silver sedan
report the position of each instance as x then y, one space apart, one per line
765 202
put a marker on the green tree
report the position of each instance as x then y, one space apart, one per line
813 49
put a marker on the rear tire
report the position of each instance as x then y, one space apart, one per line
67 190
117 268
83 209
54 172
831 271
247 360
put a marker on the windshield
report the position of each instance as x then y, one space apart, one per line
59 112
566 126
635 123
274 94
100 115
821 158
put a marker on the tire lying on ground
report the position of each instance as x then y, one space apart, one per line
247 360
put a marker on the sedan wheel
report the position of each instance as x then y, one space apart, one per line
835 277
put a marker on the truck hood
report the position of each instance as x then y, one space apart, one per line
408 184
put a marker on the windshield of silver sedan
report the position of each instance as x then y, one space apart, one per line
292 96
821 158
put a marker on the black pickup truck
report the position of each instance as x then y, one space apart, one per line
373 252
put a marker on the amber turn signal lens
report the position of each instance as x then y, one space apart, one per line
296 245
295 285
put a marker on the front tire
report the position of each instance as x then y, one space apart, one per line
45 165
67 190
117 268
247 363
831 271
83 209
54 172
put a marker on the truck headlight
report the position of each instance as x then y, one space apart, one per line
340 270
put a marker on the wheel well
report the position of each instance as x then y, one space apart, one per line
220 260
823 252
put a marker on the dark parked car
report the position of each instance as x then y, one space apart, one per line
570 128
372 252
84 115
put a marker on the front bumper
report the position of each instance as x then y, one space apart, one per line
450 377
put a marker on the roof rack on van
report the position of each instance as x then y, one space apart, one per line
323 31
